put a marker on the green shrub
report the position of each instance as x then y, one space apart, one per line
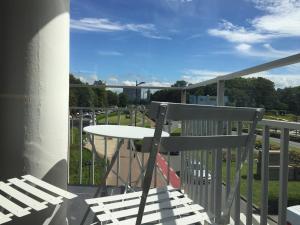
294 157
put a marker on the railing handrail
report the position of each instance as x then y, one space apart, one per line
123 86
255 69
280 124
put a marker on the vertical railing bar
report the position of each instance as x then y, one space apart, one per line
194 160
204 133
182 159
249 185
80 134
143 117
186 165
168 156
218 175
130 163
143 154
131 116
106 116
118 159
93 161
72 134
283 176
228 162
136 115
200 167
265 176
105 141
213 158
119 116
206 169
237 195
189 162
93 150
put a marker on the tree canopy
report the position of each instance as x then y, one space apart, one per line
242 92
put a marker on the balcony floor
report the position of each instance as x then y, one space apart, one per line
77 207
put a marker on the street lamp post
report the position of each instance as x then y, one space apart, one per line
136 100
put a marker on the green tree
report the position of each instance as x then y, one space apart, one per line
112 98
180 83
123 100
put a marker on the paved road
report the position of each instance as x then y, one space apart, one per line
163 167
291 143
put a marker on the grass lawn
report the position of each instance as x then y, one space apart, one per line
86 156
286 117
293 188
124 120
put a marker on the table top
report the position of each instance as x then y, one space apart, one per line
119 131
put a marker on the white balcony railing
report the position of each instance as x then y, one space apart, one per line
197 177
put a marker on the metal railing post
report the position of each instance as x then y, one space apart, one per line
220 92
183 96
105 141
228 162
283 176
249 186
80 134
118 159
237 199
265 176
93 149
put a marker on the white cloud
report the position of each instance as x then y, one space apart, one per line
281 80
243 47
193 76
234 33
265 51
128 83
113 79
105 25
148 83
281 19
159 84
88 79
110 53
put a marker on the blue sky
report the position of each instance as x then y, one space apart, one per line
161 41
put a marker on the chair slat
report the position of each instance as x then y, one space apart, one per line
36 192
12 207
32 203
49 187
188 220
163 214
148 208
135 202
4 218
186 143
128 195
177 112
21 198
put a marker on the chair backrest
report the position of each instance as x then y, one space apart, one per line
215 141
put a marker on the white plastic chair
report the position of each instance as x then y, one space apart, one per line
20 191
168 205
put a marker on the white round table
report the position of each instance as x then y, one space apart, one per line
119 131
122 132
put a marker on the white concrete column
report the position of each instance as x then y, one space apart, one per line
34 89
